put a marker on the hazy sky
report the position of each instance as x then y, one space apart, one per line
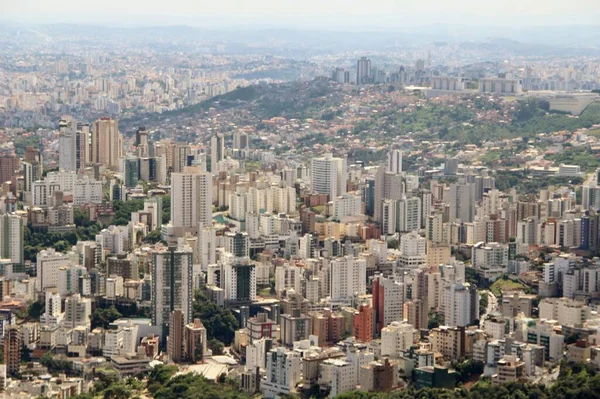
310 13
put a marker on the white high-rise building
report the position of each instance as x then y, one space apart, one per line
348 278
87 191
434 227
11 238
217 151
412 244
172 284
346 205
78 311
283 372
207 246
408 214
329 175
48 263
396 338
191 199
395 161
67 154
460 304
239 281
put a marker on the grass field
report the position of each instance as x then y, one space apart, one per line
506 285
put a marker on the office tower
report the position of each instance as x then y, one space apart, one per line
180 157
13 342
388 301
9 166
241 141
12 234
462 202
394 164
141 142
368 196
348 278
329 175
363 71
191 199
175 347
130 170
107 142
460 304
78 311
172 284
194 341
217 151
239 282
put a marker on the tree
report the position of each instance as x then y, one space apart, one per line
103 317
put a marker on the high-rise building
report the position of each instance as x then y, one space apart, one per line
329 175
241 141
416 314
9 166
462 202
348 278
48 264
283 372
363 71
396 338
13 342
67 150
130 171
172 284
191 199
239 282
207 246
107 143
363 323
141 142
78 311
388 301
460 304
395 161
82 147
217 151
12 234
194 341
180 157
175 344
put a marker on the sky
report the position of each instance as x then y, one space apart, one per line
357 14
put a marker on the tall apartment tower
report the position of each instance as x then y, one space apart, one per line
217 151
363 71
329 176
175 346
13 342
395 161
191 199
107 142
12 234
172 284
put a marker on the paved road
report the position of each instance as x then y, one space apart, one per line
491 307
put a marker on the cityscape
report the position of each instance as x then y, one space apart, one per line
298 210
